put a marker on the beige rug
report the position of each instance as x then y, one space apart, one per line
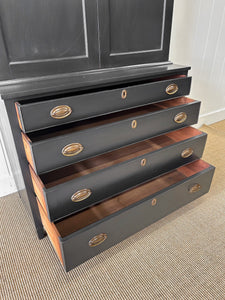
180 257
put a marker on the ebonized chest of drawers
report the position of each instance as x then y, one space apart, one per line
102 126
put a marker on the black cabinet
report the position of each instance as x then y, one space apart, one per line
49 37
134 31
87 85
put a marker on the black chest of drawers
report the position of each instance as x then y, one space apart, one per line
101 127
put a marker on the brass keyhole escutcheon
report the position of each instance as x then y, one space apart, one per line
187 152
60 112
124 94
194 188
172 89
72 149
134 124
81 195
154 201
143 162
180 118
97 240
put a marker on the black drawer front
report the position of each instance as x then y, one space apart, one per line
110 181
121 225
47 154
37 115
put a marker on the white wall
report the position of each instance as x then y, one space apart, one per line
198 40
7 184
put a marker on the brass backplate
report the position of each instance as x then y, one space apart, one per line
97 240
194 188
180 117
72 149
172 89
187 152
60 112
81 195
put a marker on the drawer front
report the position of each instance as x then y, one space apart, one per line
80 246
49 113
110 181
47 154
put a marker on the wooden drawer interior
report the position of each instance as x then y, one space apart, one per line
66 227
108 207
104 120
152 200
109 159
59 176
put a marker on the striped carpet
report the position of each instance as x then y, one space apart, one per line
180 257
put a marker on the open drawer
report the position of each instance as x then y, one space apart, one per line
48 150
68 190
87 233
53 111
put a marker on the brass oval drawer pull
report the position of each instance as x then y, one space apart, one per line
180 118
187 152
172 89
97 240
72 149
124 94
81 195
194 188
61 112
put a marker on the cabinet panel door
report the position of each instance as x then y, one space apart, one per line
48 36
134 31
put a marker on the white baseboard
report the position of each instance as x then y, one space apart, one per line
212 117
